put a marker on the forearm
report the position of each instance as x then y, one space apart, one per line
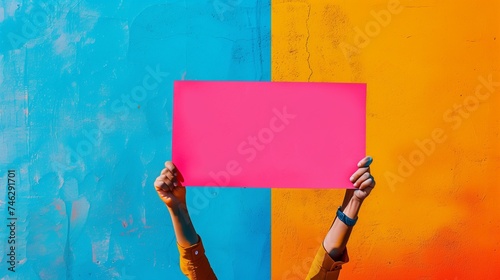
337 237
184 229
193 261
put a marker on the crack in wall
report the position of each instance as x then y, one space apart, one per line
307 42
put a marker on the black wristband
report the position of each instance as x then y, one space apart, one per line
346 220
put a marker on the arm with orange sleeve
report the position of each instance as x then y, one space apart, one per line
193 261
332 254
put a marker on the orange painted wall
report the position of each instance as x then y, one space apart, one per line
437 217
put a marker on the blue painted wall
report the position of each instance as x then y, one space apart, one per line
86 118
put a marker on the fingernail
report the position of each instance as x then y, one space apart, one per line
175 184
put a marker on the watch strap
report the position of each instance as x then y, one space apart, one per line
346 220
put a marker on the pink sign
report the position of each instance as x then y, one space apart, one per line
268 134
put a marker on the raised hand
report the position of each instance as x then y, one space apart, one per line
169 188
362 179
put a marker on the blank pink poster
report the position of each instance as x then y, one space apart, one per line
268 134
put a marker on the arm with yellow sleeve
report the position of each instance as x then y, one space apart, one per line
193 261
332 254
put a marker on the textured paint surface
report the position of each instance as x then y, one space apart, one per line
86 97
432 69
85 121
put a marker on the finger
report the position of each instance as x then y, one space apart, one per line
170 183
170 176
164 171
355 176
368 183
160 185
167 181
365 162
365 176
170 166
168 188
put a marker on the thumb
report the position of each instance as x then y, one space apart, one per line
170 197
163 193
365 162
